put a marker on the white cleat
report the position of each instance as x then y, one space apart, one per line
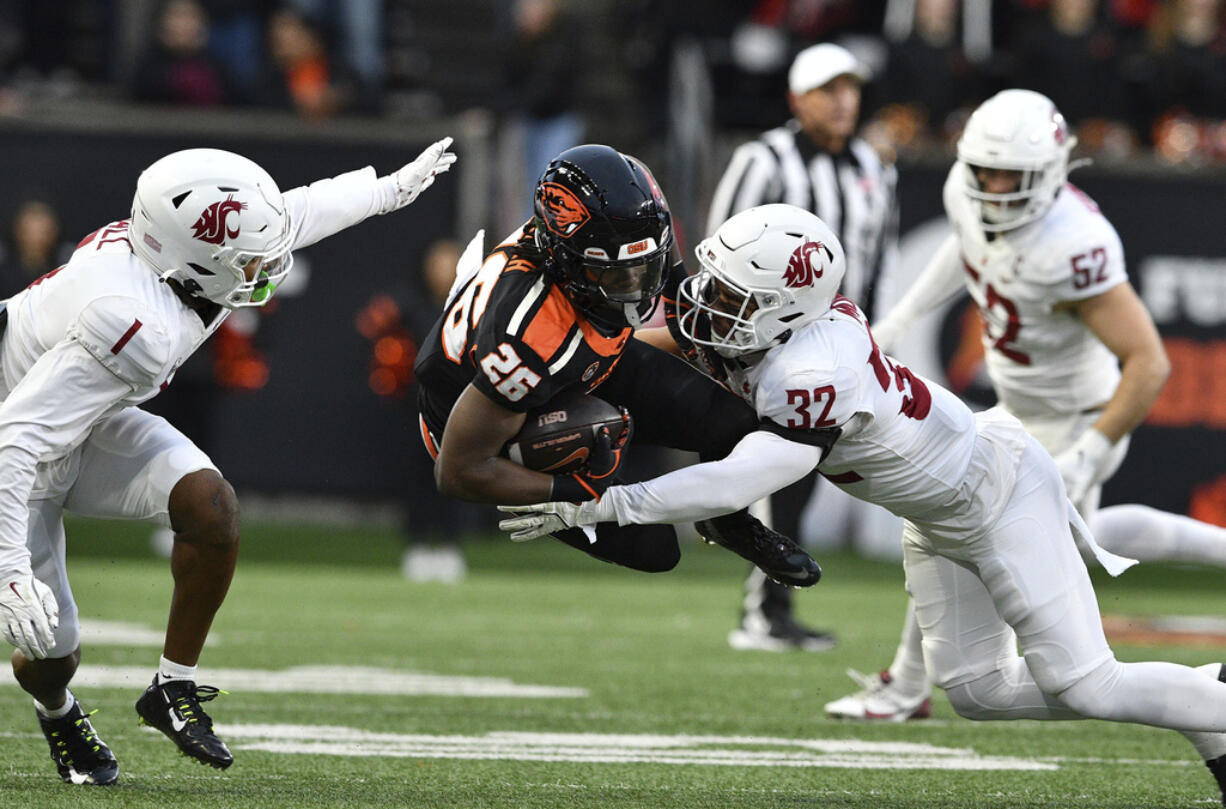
878 700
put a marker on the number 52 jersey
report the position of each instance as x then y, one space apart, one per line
1042 358
904 443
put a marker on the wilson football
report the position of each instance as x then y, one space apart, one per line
558 436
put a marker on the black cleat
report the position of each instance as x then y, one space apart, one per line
1217 766
173 707
775 554
79 755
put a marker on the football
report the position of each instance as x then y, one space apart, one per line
558 436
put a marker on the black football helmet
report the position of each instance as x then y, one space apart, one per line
606 226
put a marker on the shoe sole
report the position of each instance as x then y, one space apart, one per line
923 711
217 765
744 641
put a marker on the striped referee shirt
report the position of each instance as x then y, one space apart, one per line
853 192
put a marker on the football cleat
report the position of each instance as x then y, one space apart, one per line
79 755
778 633
1217 766
776 555
173 707
879 700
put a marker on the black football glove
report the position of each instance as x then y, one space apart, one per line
597 475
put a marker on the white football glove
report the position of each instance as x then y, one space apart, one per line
541 519
29 614
1084 464
405 185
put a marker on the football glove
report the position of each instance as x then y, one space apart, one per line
405 185
541 519
590 482
29 614
1084 464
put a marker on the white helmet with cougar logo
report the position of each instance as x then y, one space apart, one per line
1016 130
765 272
215 222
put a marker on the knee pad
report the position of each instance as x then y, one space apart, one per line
979 699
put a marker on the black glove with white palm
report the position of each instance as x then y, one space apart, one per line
29 614
402 187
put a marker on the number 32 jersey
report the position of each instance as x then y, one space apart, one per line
904 443
1043 359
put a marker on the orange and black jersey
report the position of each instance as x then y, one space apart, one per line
513 333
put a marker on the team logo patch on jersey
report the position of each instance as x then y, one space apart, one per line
802 269
590 371
211 226
564 212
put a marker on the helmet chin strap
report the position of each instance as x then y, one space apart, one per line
631 312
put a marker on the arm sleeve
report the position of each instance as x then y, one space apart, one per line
326 207
750 179
45 415
940 280
760 464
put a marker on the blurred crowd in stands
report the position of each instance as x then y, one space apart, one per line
1130 74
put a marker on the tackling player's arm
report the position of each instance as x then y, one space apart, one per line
1119 319
469 465
659 337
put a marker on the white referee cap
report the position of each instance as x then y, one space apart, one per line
818 64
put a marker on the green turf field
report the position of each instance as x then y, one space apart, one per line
547 679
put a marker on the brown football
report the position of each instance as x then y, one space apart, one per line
558 436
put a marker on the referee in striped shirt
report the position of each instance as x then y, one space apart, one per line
816 162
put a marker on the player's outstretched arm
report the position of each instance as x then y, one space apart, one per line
404 186
760 464
328 206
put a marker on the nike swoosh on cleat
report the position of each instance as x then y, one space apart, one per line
177 723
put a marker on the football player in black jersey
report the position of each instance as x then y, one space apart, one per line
554 308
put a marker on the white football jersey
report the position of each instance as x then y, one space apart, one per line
906 444
1042 360
102 333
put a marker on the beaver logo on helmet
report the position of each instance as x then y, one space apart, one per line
211 226
563 212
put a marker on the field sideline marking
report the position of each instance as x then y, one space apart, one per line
326 680
724 751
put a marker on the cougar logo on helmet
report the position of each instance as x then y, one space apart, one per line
211 226
564 212
802 270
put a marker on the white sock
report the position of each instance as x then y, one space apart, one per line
56 713
1149 535
907 672
169 670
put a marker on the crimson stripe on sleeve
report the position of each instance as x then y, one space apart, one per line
127 335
